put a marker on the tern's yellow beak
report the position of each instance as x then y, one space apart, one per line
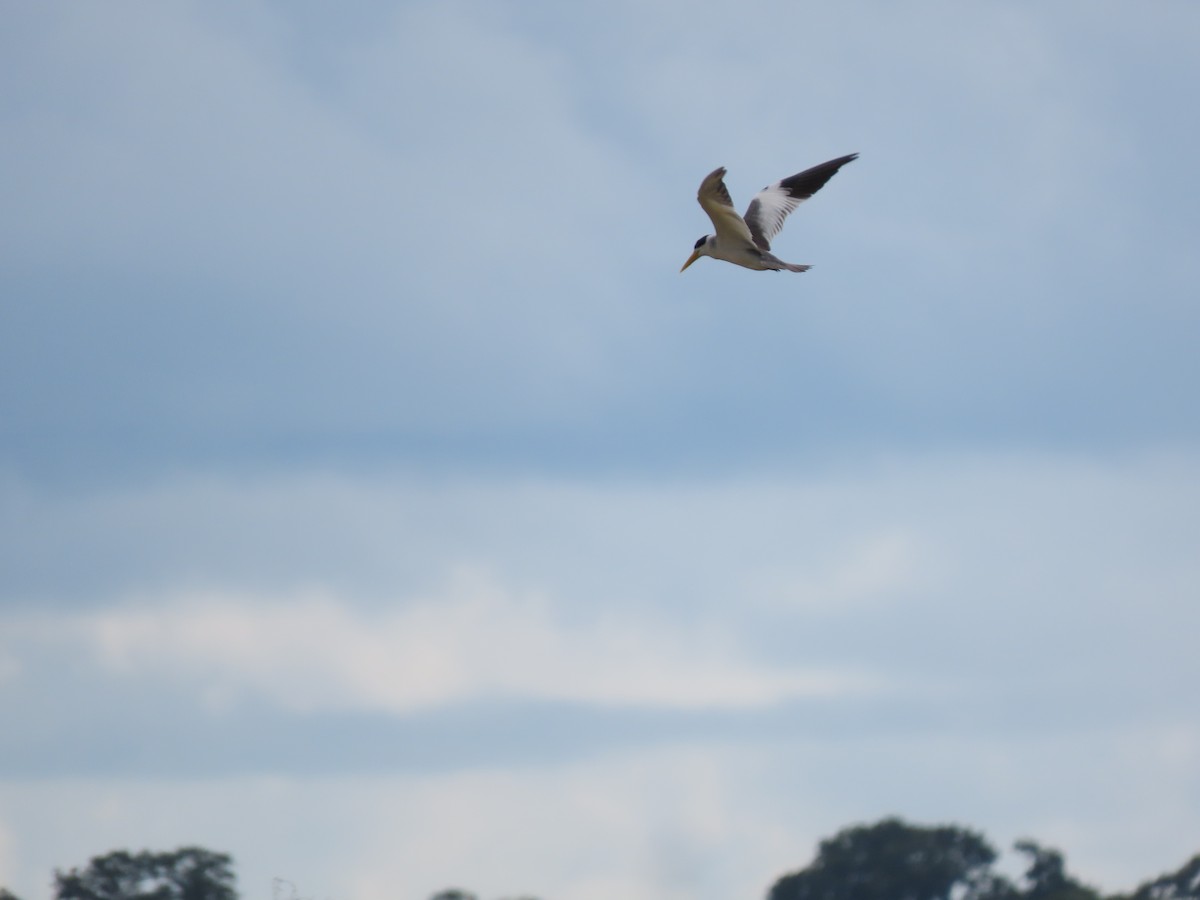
691 259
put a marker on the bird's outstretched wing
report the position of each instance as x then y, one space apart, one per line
714 198
770 206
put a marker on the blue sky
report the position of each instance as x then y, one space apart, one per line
378 503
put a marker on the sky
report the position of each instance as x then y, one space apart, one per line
379 504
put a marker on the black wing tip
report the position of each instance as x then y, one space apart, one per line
829 166
804 184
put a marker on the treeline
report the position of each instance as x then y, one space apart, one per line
888 860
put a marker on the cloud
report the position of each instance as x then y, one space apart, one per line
209 202
875 571
932 575
358 429
479 641
243 245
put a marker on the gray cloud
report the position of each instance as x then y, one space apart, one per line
344 307
224 264
1009 595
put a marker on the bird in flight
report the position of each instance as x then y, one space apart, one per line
746 240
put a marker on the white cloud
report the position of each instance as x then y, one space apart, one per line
478 640
10 667
873 570
396 592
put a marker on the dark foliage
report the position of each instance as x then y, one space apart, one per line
892 860
888 860
189 873
453 894
1046 876
1181 885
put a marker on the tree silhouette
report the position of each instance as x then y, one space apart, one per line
1181 885
892 860
888 860
189 873
1046 877
453 894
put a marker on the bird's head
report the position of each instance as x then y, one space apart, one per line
701 249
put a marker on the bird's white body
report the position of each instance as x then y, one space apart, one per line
745 254
746 240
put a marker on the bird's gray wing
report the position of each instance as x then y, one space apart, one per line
774 203
714 198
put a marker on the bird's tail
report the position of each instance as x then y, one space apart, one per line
774 262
